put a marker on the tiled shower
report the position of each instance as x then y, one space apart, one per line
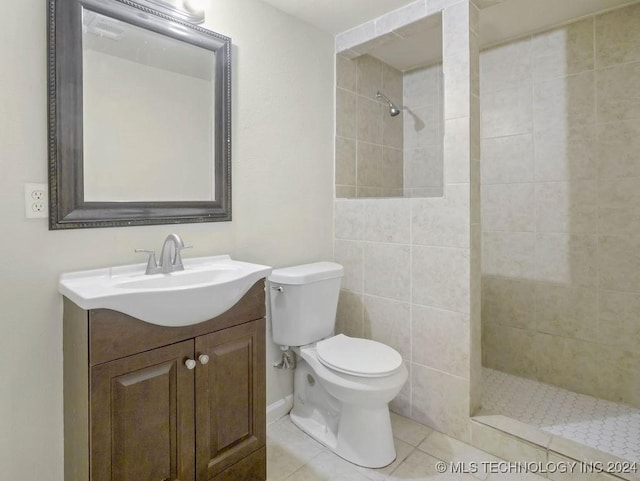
559 224
560 206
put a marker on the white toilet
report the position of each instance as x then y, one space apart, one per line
342 385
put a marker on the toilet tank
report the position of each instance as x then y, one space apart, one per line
303 301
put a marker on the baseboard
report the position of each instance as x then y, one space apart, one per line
279 408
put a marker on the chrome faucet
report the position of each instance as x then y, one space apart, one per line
170 258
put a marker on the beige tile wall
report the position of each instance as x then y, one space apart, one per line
412 265
561 206
423 120
369 142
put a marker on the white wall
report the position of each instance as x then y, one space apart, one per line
282 181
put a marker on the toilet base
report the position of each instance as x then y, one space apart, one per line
361 435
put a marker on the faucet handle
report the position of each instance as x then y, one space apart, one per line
152 264
177 260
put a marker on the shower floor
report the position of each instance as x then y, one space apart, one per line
610 427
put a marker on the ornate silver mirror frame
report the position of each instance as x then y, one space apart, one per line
68 208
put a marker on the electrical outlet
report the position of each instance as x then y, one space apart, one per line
36 201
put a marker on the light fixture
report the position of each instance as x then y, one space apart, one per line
191 11
195 6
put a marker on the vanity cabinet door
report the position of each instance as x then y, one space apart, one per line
230 403
142 417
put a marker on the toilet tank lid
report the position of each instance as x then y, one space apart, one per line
304 274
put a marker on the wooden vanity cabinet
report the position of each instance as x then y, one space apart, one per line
135 411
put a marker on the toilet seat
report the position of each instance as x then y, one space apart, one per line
358 357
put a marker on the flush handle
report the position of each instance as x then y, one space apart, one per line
190 363
278 288
203 358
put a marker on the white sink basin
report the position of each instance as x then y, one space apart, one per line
207 287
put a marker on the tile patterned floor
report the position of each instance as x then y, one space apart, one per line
608 426
294 456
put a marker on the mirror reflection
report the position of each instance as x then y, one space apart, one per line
148 108
390 115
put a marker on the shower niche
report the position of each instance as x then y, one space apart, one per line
389 114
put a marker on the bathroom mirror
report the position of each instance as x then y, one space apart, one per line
139 117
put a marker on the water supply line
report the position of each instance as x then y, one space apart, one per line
288 360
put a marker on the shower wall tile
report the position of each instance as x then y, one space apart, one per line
421 127
434 6
369 165
387 220
401 404
619 263
365 192
474 67
346 73
457 151
563 51
493 68
424 192
508 207
441 278
389 322
351 255
567 258
442 221
617 93
581 365
369 76
364 168
507 112
345 106
507 159
509 349
421 86
550 358
580 154
348 218
618 36
457 80
392 80
509 254
568 207
387 270
618 320
509 302
455 30
345 191
350 314
401 17
617 150
369 120
392 169
345 161
565 154
567 311
619 206
355 36
440 401
392 131
565 103
440 340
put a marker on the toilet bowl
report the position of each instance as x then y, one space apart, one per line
357 427
342 385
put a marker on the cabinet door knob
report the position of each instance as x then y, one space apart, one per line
203 358
190 363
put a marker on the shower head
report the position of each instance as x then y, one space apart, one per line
393 110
